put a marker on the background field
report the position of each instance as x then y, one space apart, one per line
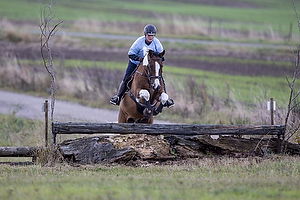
241 20
222 83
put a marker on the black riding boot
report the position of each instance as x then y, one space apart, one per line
122 89
170 102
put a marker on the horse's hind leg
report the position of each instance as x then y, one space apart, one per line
150 121
122 117
146 121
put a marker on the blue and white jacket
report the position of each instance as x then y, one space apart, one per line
139 48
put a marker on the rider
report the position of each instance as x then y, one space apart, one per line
136 55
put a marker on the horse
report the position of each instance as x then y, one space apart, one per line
145 96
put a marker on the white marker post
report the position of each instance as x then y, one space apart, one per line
271 106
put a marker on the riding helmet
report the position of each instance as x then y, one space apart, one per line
150 29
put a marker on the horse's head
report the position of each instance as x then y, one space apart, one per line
153 62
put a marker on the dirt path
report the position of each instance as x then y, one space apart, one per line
31 107
27 106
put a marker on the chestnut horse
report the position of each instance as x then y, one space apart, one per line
146 96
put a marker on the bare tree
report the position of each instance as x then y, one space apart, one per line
46 35
293 102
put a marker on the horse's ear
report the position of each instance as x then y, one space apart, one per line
162 53
150 53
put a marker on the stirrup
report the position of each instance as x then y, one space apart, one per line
115 100
170 103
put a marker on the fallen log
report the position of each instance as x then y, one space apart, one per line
18 151
130 148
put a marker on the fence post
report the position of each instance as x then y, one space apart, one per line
46 122
271 106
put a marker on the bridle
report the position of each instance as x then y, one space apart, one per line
148 74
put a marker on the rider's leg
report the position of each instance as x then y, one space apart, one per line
122 88
170 101
116 99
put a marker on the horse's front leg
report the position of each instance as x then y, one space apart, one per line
144 94
163 98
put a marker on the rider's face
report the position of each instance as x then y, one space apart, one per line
149 38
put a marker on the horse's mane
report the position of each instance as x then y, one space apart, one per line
156 54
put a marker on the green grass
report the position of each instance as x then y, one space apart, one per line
247 88
15 131
214 178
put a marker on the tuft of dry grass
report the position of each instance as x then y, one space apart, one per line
13 32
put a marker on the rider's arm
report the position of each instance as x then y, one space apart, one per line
135 57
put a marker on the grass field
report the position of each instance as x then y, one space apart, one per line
276 177
212 177
272 177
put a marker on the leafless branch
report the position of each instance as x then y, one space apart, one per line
293 103
287 79
46 35
296 14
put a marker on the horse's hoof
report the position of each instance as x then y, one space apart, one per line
147 113
156 110
130 120
170 103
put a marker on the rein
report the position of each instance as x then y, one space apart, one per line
147 74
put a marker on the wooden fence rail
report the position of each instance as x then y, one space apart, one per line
166 129
161 129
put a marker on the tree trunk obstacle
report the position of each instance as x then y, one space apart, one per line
164 141
127 143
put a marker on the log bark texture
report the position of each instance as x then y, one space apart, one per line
94 150
141 147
